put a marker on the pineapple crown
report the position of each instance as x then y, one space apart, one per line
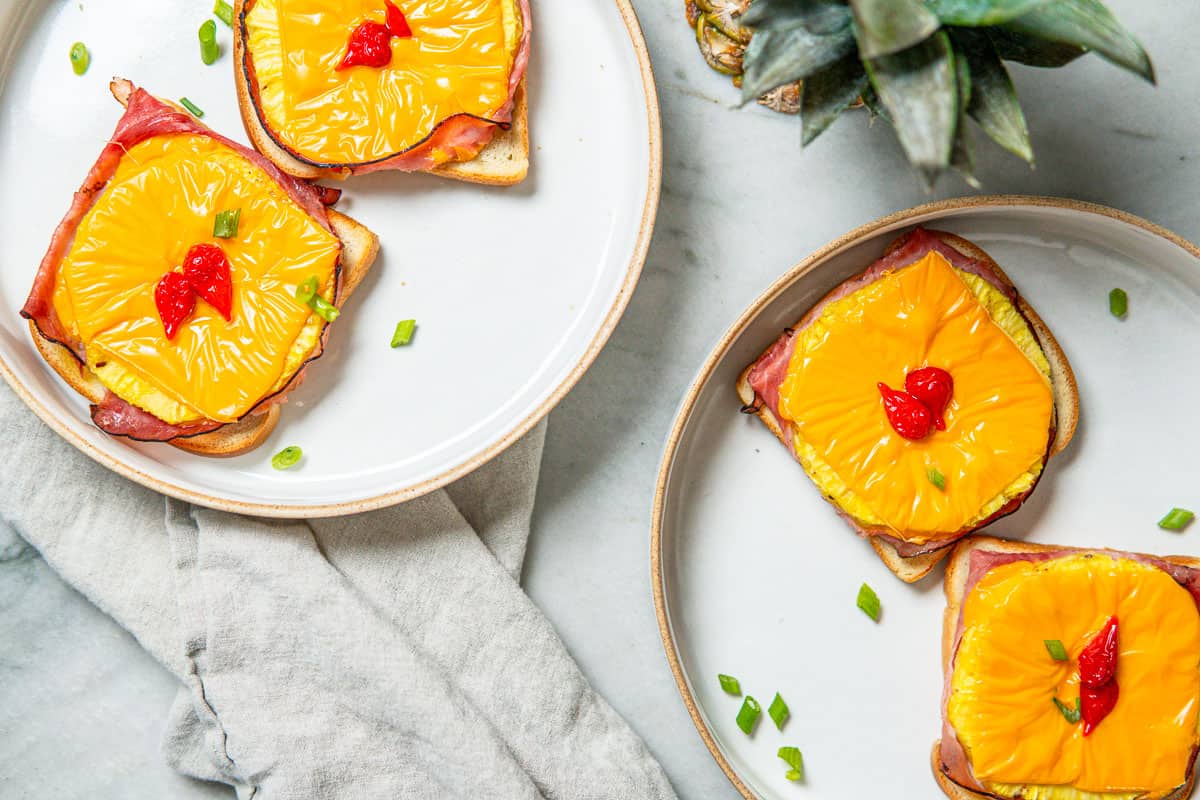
924 65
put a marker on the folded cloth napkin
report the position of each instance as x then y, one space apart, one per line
386 655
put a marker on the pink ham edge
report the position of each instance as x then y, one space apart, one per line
768 373
953 757
145 117
464 132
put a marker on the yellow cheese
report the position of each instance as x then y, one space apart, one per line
458 61
1003 679
998 422
162 200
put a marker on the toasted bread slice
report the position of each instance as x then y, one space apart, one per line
1066 400
955 587
359 249
504 162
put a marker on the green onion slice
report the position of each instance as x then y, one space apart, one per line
731 685
81 59
324 309
1056 650
404 332
1118 303
210 51
308 290
868 601
1176 519
794 759
224 12
778 711
195 110
936 478
1072 714
287 458
225 226
748 715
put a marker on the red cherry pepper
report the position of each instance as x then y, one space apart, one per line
175 301
1098 690
370 42
207 271
908 415
1095 704
933 386
1098 659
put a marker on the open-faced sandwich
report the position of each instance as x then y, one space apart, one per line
923 397
190 283
329 88
1069 674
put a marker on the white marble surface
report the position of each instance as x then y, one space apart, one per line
81 705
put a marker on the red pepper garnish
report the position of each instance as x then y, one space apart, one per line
1095 704
908 415
370 42
175 300
933 386
1098 689
207 271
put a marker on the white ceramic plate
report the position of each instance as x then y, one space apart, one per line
756 577
515 290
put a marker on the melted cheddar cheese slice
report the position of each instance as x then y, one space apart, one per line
997 424
458 61
1003 681
163 199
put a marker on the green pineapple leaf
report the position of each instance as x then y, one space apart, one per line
975 13
1030 50
826 94
884 27
919 88
962 158
874 105
993 102
792 41
1088 24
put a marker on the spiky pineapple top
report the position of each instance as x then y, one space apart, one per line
924 65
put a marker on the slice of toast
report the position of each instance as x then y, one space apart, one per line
359 248
1066 401
503 162
955 587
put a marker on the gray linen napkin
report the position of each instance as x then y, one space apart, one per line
386 655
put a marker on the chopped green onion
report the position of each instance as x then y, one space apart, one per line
210 51
404 332
1072 714
1118 302
748 715
868 601
324 309
936 478
793 758
1056 650
1176 519
731 685
287 458
225 226
307 290
195 110
778 711
81 59
224 12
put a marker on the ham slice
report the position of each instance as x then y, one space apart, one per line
145 117
768 373
954 762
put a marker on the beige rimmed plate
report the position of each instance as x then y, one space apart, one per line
756 577
514 290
